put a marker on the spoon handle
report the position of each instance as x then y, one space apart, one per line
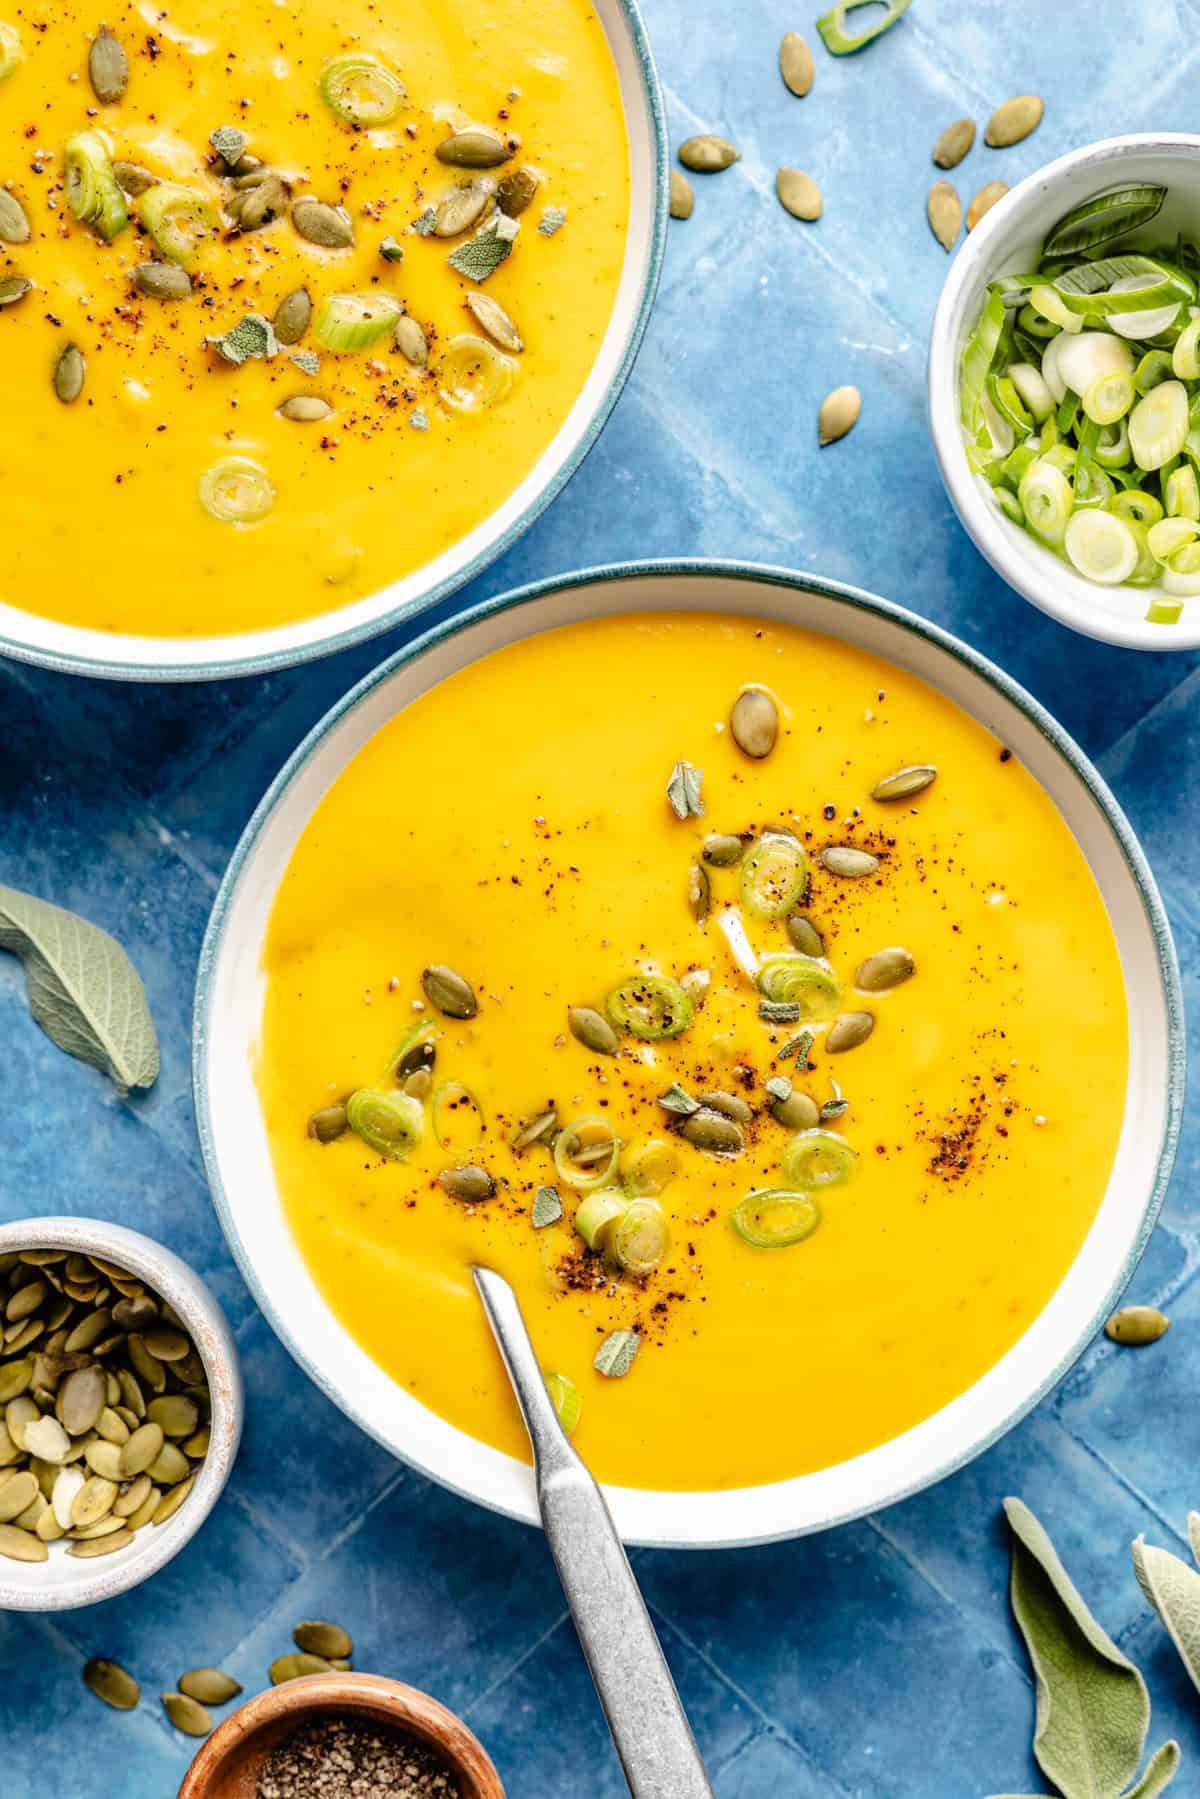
644 1711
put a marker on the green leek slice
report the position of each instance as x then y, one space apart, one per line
392 1123
355 321
1185 357
1109 397
1103 219
598 1213
236 491
94 194
1046 300
580 1136
1046 500
1164 612
361 91
473 374
977 358
456 1116
1101 547
649 1006
1030 320
178 219
1104 287
773 875
1032 390
1155 366
1170 535
832 25
12 54
1138 505
1158 425
650 1170
640 1237
791 979
1181 576
1182 492
1002 391
815 1159
567 1400
1009 505
775 1218
414 1050
1112 445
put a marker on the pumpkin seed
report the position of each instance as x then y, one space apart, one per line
88 1331
197 1445
850 863
797 1112
113 1428
944 210
187 1715
848 1031
169 1466
711 1130
309 409
15 1378
799 194
161 280
341 1663
805 935
1014 121
516 191
593 1030
246 179
264 203
21 1545
327 226
209 1686
839 414
143 1446
699 893
730 1105
81 1400
796 64
134 1315
294 1667
109 1681
150 1504
411 341
48 1528
175 1414
108 67
69 372
105 1459
14 221
722 849
469 1183
131 1393
134 1496
166 1507
446 990
538 1129
984 200
292 316
492 318
463 207
315 1637
17 1414
683 195
474 147
25 1300
754 722
47 1439
12 289
707 154
93 1501
886 969
1135 1325
87 1548
954 143
905 782
18 1492
133 179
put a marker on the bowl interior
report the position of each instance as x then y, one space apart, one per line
28 637
1003 244
229 1004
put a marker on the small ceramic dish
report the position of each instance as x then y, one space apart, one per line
237 1150
229 1764
63 1582
1002 244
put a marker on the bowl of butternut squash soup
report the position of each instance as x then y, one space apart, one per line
750 972
306 313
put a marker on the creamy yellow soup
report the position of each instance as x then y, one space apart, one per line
513 825
105 486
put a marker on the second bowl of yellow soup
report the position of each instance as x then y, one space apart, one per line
744 968
305 314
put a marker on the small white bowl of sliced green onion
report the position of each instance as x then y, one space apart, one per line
1064 390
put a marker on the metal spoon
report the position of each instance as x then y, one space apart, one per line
645 1714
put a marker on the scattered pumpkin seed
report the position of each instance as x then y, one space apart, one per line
683 195
104 1459
19 1490
411 341
341 1663
848 1031
21 1545
754 722
474 147
292 316
81 1400
850 863
944 210
310 409
722 849
538 1129
108 67
886 969
954 143
315 1637
46 1439
492 318
799 194
707 154
88 1548
329 227
187 1715
805 935
469 1183
109 1681
796 64
294 1667
14 221
731 1105
797 1112
174 1413
266 201
1014 121
169 1466
133 179
463 207
984 200
1135 1325
905 782
593 1030
448 992
136 1456
93 1501
516 191
209 1686
69 372
134 1496
13 288
699 892
711 1130
839 414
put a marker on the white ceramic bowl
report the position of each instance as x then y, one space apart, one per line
229 1013
62 1582
29 638
1002 244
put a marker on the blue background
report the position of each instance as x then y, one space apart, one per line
878 1660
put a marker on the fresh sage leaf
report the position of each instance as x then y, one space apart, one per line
683 791
307 361
1093 1710
425 225
252 336
779 1087
547 1207
676 1100
615 1355
228 142
779 1011
834 1108
1161 1770
83 989
553 219
482 254
1173 1589
799 1046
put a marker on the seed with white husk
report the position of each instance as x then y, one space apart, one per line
945 213
954 143
984 200
306 409
707 154
1135 1325
839 414
683 196
411 341
109 1681
1014 121
796 64
799 194
14 222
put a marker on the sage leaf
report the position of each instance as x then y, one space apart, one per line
1161 1770
1173 1589
83 989
1194 1533
1093 1710
683 791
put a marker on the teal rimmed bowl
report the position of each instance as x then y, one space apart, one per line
229 1006
29 638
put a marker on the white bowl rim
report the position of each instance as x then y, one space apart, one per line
173 1280
163 663
981 521
853 597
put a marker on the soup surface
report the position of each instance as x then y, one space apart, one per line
110 480
513 826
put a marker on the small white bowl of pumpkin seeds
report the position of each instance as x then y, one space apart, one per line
120 1410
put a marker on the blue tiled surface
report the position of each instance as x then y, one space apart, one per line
877 1662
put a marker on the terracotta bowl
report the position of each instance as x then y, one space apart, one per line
230 1762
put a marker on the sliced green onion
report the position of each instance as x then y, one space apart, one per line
1148 567
361 91
414 1050
816 1159
571 1142
1066 418
1014 466
774 874
355 321
1002 392
178 219
94 194
1079 362
1093 487
567 1400
775 1218
649 1006
392 1123
1100 546
1009 505
1035 323
1149 323
1112 446
832 25
596 1215
1032 389
474 374
1061 456
1164 612
1185 357
1046 500
1181 576
977 358
1109 398
997 432
1170 534
11 53
1136 504
1103 219
1105 287
640 1237
790 979
650 1170
1155 366
455 1105
1046 301
1182 492
1158 425
236 491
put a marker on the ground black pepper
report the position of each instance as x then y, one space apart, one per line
352 1758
